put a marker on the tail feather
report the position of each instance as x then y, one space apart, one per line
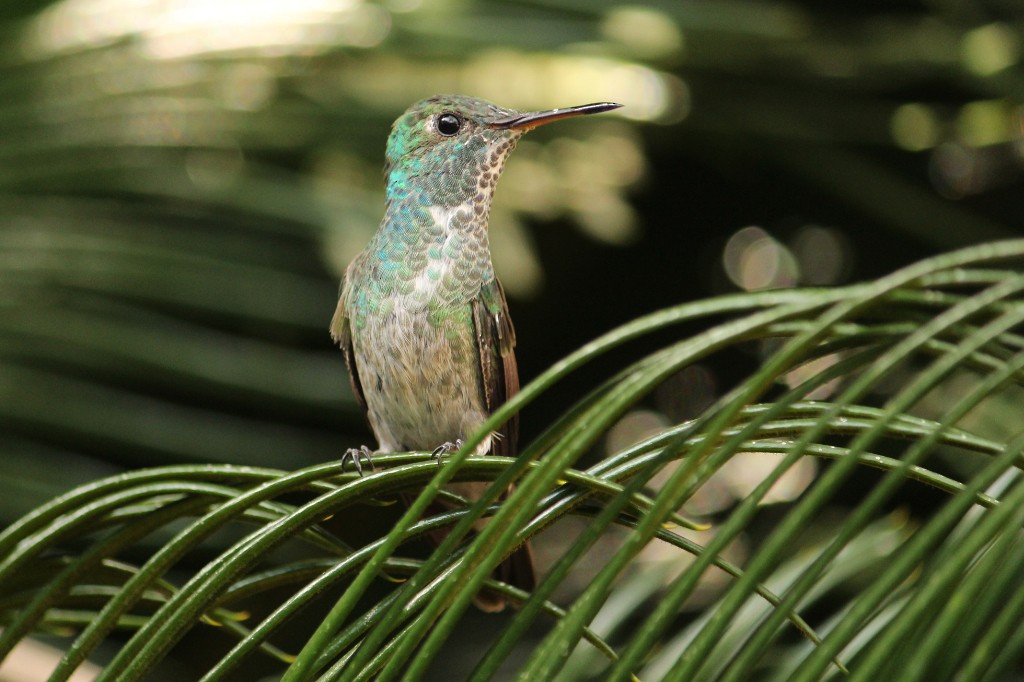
517 570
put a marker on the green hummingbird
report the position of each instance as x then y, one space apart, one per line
422 320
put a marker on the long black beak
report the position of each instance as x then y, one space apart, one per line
538 118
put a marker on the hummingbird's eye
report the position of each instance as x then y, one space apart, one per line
448 124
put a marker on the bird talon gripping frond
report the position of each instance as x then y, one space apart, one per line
446 449
355 455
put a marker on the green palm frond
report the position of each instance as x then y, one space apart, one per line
867 593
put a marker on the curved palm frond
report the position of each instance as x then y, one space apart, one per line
869 592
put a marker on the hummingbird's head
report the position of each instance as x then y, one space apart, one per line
452 148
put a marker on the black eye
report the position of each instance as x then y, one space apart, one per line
448 124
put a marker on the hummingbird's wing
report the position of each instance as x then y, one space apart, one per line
496 341
341 332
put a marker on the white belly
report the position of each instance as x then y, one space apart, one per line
422 382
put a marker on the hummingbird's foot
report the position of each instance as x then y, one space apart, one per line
446 449
355 454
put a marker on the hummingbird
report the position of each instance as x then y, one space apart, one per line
422 320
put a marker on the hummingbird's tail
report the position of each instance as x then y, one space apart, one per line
517 570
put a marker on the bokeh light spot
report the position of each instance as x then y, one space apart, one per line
172 30
987 50
755 260
985 122
633 428
643 31
914 127
822 253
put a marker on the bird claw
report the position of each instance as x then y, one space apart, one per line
446 449
354 454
